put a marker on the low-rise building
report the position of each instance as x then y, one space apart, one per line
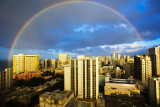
115 88
26 75
121 86
55 99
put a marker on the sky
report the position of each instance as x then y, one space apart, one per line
79 28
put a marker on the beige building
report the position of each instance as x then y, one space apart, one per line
143 68
29 63
56 98
117 88
154 91
18 63
63 58
48 65
83 77
67 77
6 79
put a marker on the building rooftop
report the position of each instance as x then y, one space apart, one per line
56 94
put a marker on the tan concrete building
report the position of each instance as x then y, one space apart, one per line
31 63
55 99
117 88
142 68
154 91
84 79
6 79
63 58
154 53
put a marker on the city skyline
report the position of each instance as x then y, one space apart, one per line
74 28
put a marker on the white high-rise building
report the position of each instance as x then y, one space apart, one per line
113 59
63 58
142 68
146 69
82 77
154 91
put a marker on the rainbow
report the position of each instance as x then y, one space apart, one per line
59 4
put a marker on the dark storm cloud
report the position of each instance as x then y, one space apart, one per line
57 29
80 28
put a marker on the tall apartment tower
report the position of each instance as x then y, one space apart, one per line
118 59
154 91
82 77
142 68
6 79
18 63
113 57
155 58
63 58
29 63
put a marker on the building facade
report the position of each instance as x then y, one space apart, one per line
18 63
155 58
6 79
154 91
31 63
83 75
56 98
23 63
142 68
63 58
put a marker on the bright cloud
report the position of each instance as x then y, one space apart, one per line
87 28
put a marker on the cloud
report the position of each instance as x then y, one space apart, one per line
77 26
87 28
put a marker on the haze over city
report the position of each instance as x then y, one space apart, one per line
79 27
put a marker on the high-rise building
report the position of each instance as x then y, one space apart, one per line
63 58
83 75
6 79
29 63
154 91
113 59
142 68
18 63
118 59
155 58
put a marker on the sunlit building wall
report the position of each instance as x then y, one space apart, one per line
154 91
155 58
67 77
6 79
142 68
23 63
113 59
63 58
31 63
84 77
18 63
